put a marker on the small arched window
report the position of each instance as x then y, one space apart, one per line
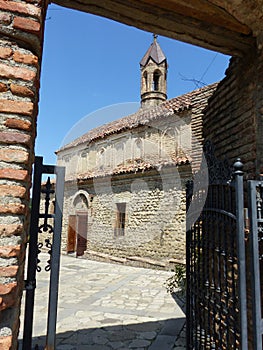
137 151
156 80
101 157
145 80
82 165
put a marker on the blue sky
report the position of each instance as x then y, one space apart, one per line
90 63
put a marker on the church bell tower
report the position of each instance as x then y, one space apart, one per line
153 76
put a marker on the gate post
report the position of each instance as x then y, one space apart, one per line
241 252
255 221
30 283
55 261
189 194
34 249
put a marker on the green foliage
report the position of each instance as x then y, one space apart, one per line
177 282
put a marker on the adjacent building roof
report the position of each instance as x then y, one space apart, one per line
155 53
195 100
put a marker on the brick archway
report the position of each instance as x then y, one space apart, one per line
21 43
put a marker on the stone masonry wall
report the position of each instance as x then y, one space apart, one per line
162 140
21 33
155 214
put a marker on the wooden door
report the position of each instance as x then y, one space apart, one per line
82 227
71 241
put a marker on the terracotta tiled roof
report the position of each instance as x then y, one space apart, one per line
145 116
155 53
133 166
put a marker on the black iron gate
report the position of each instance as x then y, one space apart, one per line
50 223
216 266
255 205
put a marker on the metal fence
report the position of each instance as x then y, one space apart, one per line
255 254
216 267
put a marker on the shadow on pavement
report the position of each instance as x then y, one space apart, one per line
159 335
180 300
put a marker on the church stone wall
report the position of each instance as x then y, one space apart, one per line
154 216
162 140
153 229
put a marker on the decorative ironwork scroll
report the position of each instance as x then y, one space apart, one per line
47 226
52 224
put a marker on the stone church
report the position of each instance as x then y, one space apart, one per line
125 180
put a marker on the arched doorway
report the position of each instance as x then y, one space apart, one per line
78 224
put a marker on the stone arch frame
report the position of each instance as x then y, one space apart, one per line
76 196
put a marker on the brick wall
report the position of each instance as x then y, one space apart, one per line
21 32
199 105
233 120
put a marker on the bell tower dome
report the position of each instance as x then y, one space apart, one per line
153 76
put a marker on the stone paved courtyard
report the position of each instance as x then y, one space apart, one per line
104 306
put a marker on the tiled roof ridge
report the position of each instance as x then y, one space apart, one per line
134 167
141 117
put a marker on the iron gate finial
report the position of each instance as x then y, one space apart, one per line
238 167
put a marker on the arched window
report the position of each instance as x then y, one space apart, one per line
82 161
137 150
145 80
156 80
101 157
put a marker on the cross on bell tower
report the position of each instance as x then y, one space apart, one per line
153 76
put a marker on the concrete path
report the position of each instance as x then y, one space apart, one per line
104 306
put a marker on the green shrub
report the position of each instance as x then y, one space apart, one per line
177 282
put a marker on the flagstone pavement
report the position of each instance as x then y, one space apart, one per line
106 306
